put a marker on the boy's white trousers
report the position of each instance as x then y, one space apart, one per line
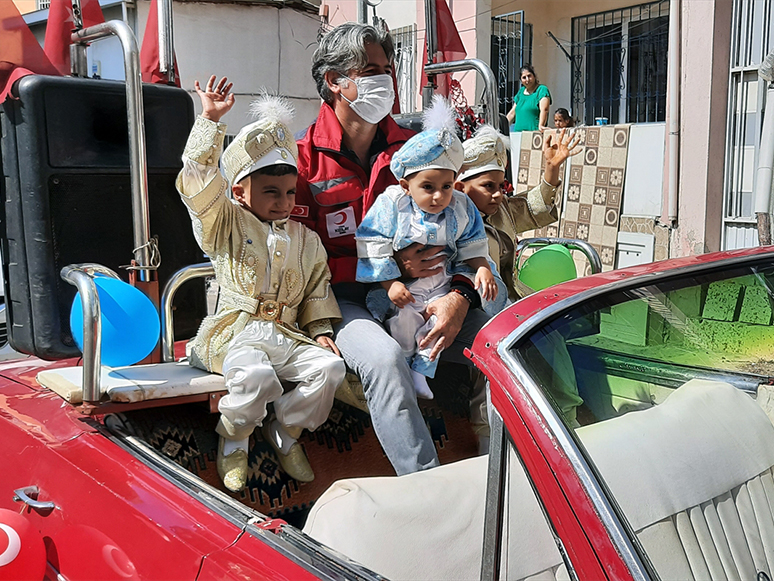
258 360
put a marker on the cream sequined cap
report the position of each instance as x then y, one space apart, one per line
265 141
487 150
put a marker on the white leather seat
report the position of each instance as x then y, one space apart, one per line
135 383
693 477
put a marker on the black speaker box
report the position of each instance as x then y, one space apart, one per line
67 199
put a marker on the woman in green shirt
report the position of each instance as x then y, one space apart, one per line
530 104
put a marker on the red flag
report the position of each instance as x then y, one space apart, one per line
450 47
149 53
20 53
60 27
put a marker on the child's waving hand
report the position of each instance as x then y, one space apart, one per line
558 146
217 99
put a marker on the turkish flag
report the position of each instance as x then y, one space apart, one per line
149 53
20 53
61 24
450 47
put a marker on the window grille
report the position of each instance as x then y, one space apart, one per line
619 64
43 4
752 38
511 48
405 41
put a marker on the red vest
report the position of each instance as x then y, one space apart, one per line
334 192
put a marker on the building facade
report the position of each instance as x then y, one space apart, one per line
254 43
608 60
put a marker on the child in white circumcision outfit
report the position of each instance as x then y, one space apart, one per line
424 208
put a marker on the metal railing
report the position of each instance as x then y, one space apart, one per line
173 284
138 168
81 276
489 95
570 243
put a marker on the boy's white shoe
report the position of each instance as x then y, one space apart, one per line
420 385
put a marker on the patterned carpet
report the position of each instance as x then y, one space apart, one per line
344 447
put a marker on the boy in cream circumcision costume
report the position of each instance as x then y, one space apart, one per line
482 177
276 309
505 217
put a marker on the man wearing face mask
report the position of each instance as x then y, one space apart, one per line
343 165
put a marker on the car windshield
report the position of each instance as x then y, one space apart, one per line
668 390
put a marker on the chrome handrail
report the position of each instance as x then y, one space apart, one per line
489 96
81 276
166 41
138 168
173 284
570 243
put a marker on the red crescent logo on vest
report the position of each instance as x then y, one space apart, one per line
341 223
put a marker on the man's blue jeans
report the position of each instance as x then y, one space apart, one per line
377 359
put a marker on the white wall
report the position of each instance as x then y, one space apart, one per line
644 171
254 46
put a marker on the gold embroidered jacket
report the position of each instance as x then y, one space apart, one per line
291 286
517 214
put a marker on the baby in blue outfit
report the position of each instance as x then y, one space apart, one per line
424 208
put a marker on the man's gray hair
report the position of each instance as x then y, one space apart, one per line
343 50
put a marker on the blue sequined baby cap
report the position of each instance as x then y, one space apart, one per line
436 147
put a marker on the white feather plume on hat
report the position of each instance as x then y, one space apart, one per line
265 141
439 115
272 107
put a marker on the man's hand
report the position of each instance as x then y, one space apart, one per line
398 293
417 261
450 311
216 99
327 343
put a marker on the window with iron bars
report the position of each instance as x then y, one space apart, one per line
619 68
405 41
43 4
511 47
752 38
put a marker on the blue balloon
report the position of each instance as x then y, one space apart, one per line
130 322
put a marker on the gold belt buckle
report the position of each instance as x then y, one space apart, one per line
270 310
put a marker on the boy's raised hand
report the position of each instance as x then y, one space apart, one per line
217 99
559 145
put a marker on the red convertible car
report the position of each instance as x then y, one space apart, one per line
631 411
666 469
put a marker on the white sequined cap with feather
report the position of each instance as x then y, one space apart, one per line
486 151
266 141
436 147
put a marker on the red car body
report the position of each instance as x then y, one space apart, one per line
123 514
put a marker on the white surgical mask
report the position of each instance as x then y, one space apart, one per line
375 97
